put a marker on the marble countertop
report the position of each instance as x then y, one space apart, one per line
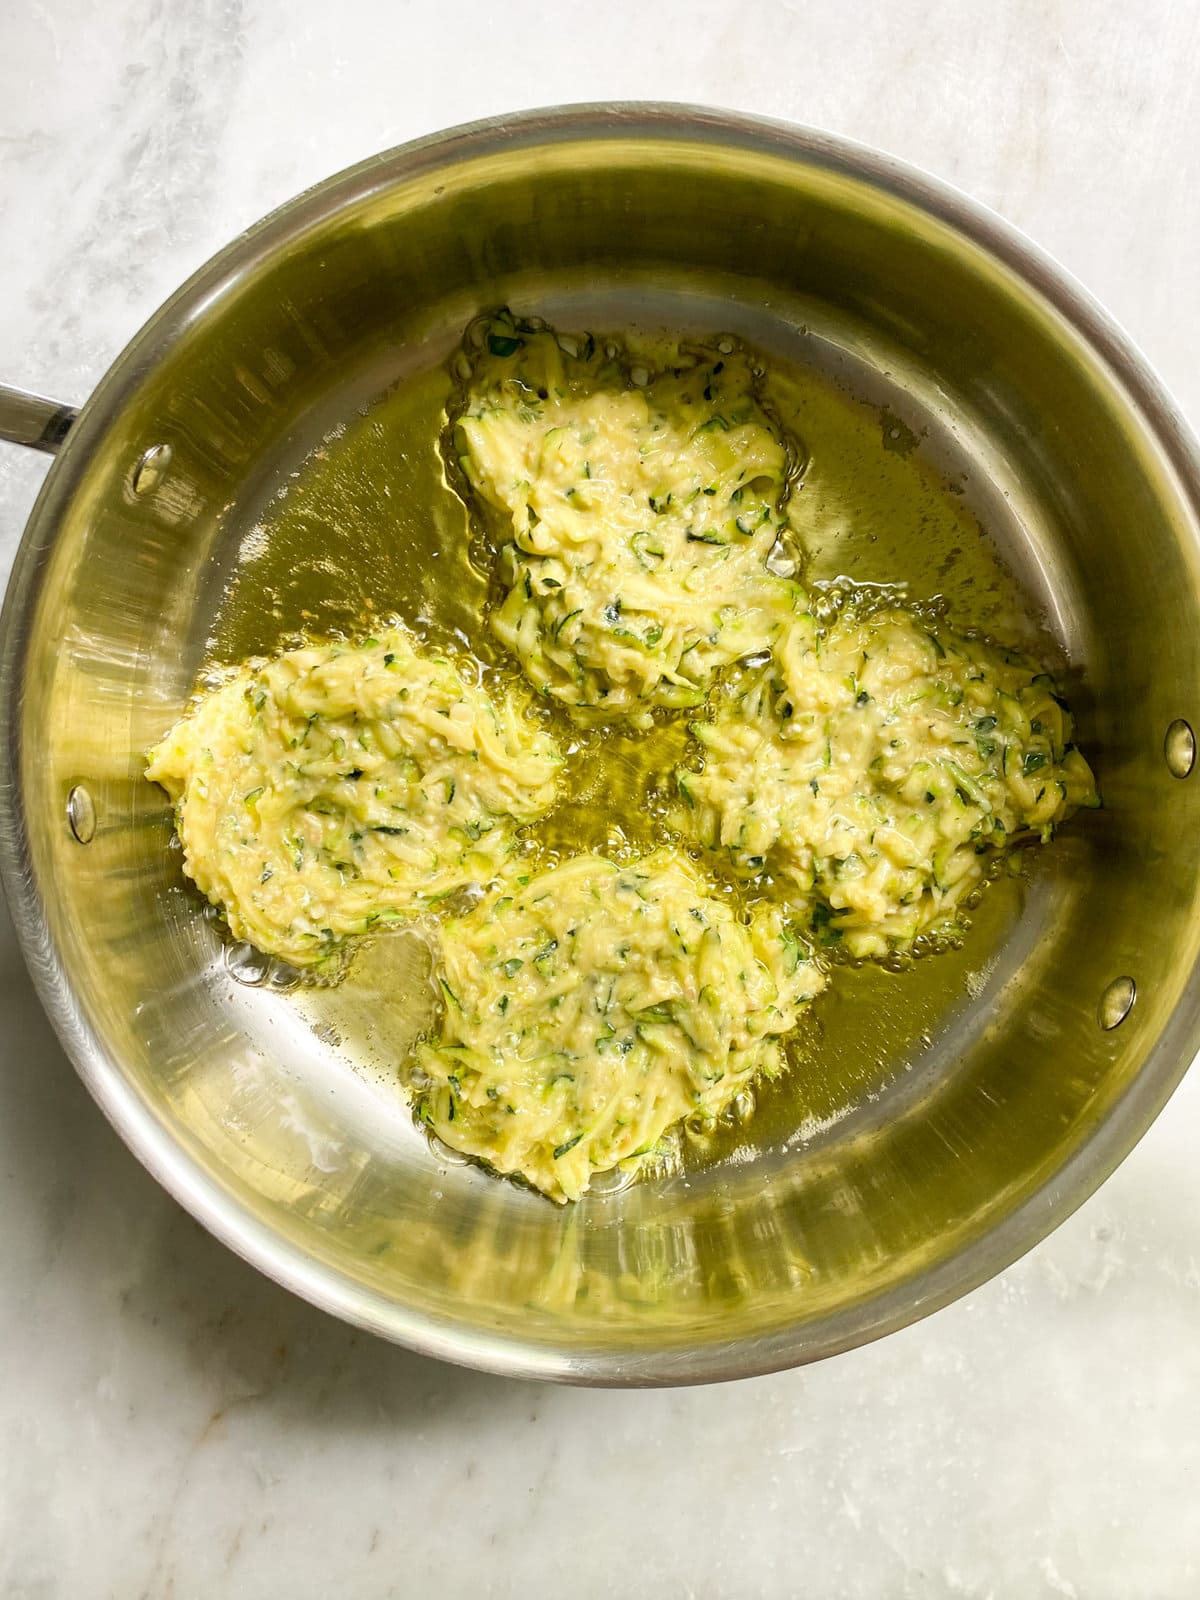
173 1425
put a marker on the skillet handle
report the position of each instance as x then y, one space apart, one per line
30 420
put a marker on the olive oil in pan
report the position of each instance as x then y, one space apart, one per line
868 1030
366 526
869 506
378 1012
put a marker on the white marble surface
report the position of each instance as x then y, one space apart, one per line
173 1425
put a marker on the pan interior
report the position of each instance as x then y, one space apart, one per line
355 521
964 439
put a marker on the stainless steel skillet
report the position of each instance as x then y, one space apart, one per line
1035 1078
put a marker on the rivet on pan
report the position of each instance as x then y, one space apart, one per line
151 469
81 814
1179 748
1116 1003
